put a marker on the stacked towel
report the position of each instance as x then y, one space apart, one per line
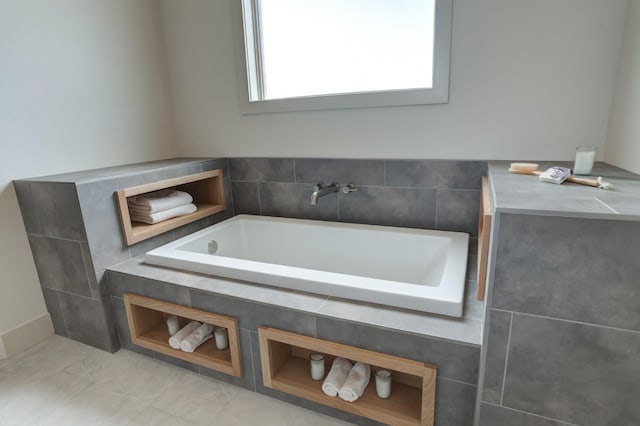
198 337
176 339
159 206
336 377
356 382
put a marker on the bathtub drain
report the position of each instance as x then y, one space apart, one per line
213 247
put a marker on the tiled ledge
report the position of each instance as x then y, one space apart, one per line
467 329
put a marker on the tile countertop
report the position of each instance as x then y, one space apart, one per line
525 194
467 329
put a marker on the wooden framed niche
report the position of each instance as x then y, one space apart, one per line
148 329
206 188
484 233
285 367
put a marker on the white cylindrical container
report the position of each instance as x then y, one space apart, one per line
173 325
585 157
383 383
317 366
222 340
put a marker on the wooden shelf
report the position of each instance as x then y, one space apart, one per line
285 367
146 317
484 232
208 195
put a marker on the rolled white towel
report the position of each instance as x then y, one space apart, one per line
163 215
174 341
198 337
356 382
336 377
160 200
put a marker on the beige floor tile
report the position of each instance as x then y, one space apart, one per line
153 416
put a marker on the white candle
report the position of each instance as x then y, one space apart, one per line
220 334
383 383
585 156
317 366
173 326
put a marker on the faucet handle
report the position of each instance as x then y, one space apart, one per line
349 188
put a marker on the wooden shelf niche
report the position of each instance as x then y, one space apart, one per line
206 189
484 233
148 328
285 367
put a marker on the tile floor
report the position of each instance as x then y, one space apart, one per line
62 382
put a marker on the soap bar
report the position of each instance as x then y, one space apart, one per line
555 175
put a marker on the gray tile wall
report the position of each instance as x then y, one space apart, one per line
563 323
457 362
433 194
74 233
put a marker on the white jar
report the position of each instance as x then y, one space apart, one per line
173 325
317 366
222 340
383 383
585 157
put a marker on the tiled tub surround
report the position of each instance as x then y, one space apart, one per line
432 194
74 233
562 332
451 344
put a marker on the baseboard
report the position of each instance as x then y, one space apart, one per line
26 335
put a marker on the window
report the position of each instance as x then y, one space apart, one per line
305 55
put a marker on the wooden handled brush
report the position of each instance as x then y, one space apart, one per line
532 169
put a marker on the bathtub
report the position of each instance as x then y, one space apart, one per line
408 268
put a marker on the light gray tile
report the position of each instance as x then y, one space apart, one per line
191 228
216 163
253 315
151 243
122 327
327 170
573 372
182 170
458 211
246 197
141 178
578 269
550 202
492 415
455 403
414 208
472 268
454 361
85 321
120 283
261 169
60 264
497 341
137 268
247 380
435 173
293 200
53 307
100 215
58 210
473 308
178 362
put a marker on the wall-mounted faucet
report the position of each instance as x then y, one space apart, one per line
320 190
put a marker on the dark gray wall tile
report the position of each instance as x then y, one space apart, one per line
454 361
53 307
151 243
414 208
27 208
496 341
177 362
120 284
85 321
455 403
570 268
458 211
261 169
58 210
473 308
358 172
191 228
217 163
492 415
435 173
293 200
122 327
60 264
100 215
247 380
573 372
246 197
253 315
141 178
182 170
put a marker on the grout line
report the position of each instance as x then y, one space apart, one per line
506 360
56 238
384 172
259 199
475 385
253 367
606 205
295 178
530 414
571 321
435 218
324 302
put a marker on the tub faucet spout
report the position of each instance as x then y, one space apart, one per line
320 190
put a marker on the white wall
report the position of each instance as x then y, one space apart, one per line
82 85
529 80
623 144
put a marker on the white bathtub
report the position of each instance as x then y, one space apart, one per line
408 268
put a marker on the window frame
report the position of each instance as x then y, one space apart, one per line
248 51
